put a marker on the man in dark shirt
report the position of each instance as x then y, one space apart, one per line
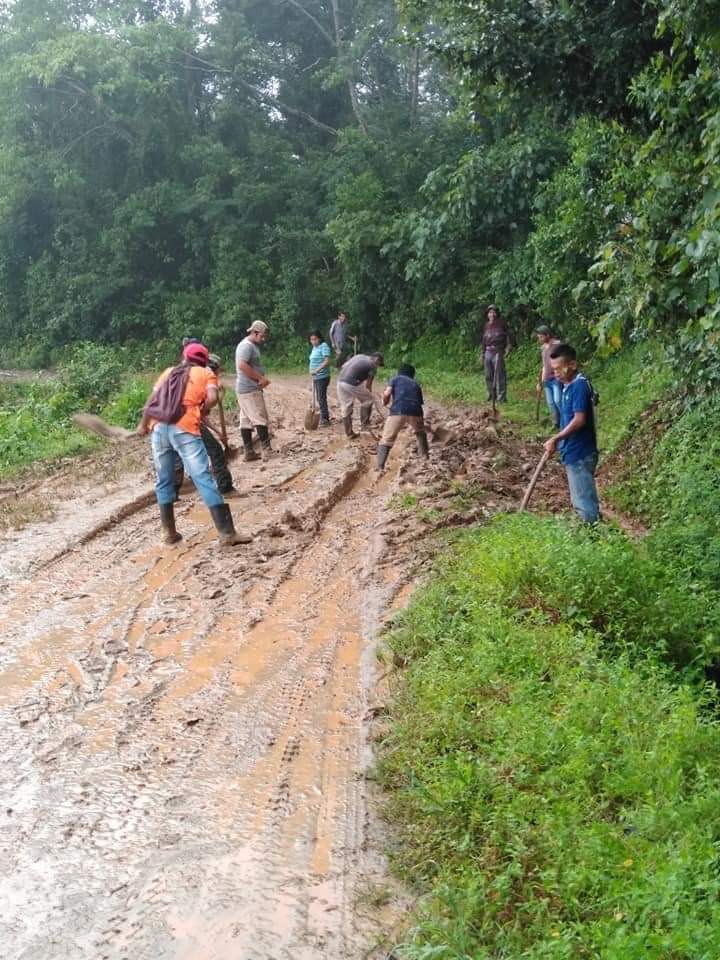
495 346
355 383
576 438
405 399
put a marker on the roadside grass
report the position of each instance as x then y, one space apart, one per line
554 786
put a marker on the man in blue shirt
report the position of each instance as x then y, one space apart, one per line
576 438
404 397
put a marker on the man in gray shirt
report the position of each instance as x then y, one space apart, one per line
355 383
249 385
339 337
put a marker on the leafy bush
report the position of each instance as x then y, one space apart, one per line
551 800
88 376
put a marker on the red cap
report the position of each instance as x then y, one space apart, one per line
196 353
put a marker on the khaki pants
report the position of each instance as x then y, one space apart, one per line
394 424
347 394
252 410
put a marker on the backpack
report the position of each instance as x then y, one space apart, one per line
166 401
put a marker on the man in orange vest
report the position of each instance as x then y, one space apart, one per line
182 436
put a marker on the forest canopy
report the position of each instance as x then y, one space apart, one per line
174 167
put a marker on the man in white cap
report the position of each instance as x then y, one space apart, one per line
249 385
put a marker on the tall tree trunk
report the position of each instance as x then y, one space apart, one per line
351 86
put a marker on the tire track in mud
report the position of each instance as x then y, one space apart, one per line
182 730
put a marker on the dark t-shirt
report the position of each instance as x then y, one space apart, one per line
357 370
577 397
496 336
407 398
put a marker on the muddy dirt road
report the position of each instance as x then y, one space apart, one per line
183 729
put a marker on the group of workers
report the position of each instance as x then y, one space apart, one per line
176 415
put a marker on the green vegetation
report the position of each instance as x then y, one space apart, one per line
554 788
169 170
35 417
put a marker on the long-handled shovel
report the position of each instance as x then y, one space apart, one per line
312 414
230 452
533 480
538 391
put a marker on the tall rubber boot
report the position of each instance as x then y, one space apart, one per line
422 444
227 534
365 417
266 451
167 522
347 425
382 454
247 440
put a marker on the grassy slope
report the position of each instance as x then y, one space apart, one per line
551 763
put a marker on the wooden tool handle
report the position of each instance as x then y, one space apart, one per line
223 427
533 480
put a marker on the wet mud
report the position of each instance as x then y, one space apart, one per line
185 730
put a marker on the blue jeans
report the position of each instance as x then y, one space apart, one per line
553 398
583 492
166 440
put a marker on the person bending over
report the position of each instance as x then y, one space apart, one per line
181 397
405 399
355 383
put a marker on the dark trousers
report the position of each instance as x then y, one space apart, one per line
216 453
495 375
321 389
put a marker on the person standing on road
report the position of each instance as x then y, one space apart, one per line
405 399
320 373
190 390
339 337
495 346
249 385
576 439
547 381
355 383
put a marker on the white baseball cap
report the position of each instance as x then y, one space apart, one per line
257 326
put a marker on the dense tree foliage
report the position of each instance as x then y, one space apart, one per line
168 167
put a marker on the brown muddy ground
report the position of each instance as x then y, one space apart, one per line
184 730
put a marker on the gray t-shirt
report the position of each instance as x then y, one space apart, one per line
338 334
357 370
247 351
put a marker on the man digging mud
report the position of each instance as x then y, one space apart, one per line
405 399
576 438
249 385
173 414
355 383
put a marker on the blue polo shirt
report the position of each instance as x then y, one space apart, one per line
576 398
407 398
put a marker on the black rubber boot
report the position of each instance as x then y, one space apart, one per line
266 450
227 534
347 425
382 454
247 440
167 522
264 437
365 417
422 444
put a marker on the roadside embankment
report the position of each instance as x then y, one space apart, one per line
550 752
